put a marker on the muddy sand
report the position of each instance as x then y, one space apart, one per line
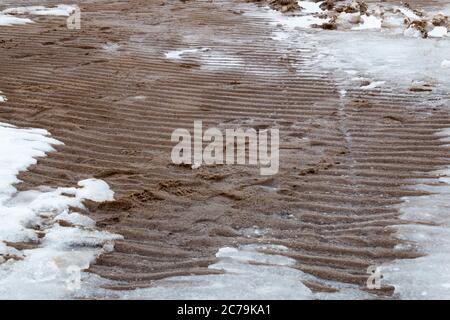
111 95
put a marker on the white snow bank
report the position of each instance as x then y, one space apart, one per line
60 253
426 277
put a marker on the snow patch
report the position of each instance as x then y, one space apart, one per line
369 22
445 64
59 10
427 277
2 97
438 32
58 251
7 20
178 54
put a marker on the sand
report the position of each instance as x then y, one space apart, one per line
110 94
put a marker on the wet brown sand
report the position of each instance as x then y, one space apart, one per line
333 202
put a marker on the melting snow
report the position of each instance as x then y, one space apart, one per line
427 277
57 253
369 22
7 20
59 10
438 32
247 273
177 54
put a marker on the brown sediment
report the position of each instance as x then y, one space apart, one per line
333 203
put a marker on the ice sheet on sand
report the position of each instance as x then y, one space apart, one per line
427 277
7 20
445 64
392 58
243 273
32 217
266 277
290 23
177 54
59 10
373 85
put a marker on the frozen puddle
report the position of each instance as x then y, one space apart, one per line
61 243
427 277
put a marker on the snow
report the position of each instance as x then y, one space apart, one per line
369 22
2 97
445 64
427 277
373 85
289 23
59 10
438 32
177 54
244 273
7 20
310 7
408 13
33 216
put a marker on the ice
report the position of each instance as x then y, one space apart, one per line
408 13
310 7
427 277
177 54
59 10
243 272
58 254
397 60
373 85
369 22
7 17
445 64
438 32
290 23
7 20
